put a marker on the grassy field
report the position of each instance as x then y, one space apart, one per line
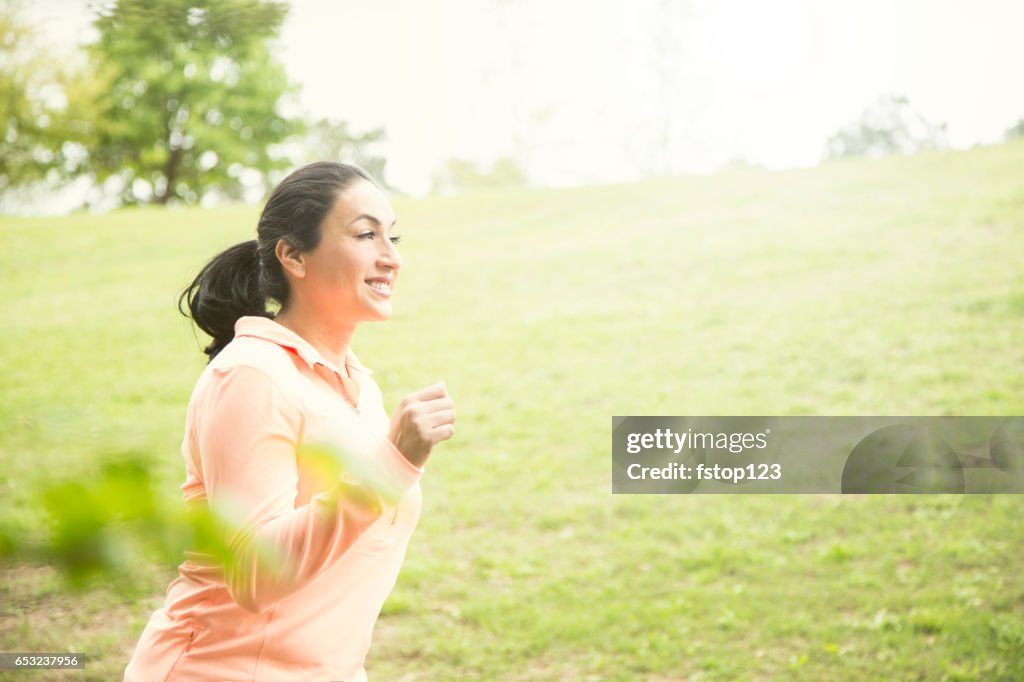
860 287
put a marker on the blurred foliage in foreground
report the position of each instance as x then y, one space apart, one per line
104 525
107 525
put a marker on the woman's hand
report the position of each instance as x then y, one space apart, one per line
422 420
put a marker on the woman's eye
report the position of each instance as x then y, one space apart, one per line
371 235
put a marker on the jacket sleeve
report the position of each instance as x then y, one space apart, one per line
247 433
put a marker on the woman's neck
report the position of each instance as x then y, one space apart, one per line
330 338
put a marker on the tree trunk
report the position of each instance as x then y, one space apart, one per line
170 173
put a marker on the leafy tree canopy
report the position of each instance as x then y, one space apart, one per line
191 96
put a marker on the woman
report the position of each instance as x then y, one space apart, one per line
312 561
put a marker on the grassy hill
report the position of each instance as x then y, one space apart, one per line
859 287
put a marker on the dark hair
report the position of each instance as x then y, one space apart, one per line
240 280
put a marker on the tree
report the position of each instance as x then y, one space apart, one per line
458 174
191 97
1014 132
38 139
328 140
889 126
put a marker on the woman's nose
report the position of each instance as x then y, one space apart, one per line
389 255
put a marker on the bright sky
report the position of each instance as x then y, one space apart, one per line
582 91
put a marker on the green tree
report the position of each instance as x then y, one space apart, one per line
889 126
328 140
38 140
191 97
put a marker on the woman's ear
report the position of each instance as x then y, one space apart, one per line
291 258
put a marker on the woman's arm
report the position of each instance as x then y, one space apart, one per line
247 433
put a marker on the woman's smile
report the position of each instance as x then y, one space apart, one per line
381 286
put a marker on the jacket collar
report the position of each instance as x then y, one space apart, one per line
269 330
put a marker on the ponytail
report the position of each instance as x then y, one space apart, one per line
227 288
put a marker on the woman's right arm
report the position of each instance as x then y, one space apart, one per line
247 433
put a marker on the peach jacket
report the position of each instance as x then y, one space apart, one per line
267 393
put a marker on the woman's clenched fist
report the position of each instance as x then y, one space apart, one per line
422 420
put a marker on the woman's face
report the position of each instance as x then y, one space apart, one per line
351 274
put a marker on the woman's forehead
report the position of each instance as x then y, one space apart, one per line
362 201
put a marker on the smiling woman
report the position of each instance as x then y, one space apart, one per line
349 277
312 560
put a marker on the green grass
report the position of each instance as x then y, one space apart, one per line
859 287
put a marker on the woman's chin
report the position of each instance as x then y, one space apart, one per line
380 314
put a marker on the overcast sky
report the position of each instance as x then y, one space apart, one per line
608 90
